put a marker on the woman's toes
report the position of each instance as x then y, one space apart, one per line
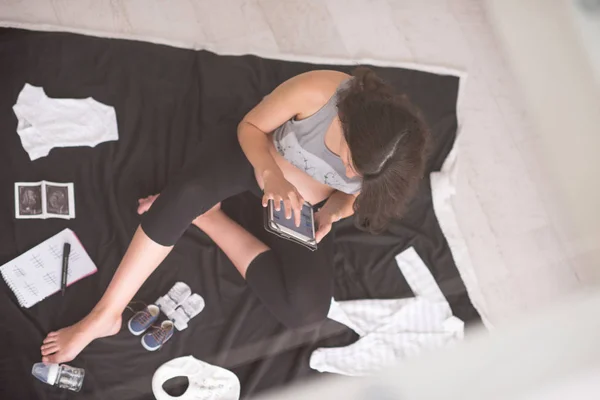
143 206
49 350
49 339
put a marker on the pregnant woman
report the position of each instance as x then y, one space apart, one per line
322 136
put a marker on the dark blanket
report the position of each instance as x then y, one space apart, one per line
167 100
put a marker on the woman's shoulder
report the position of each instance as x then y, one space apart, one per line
317 87
325 76
323 81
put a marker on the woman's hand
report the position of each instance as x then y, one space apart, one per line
279 189
324 220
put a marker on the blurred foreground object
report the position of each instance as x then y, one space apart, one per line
552 355
553 47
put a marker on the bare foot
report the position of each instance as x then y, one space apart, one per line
145 203
199 220
65 344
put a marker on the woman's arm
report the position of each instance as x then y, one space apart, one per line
255 143
287 101
298 97
339 206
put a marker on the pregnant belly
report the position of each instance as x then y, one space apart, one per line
312 190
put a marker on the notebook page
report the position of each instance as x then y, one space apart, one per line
36 274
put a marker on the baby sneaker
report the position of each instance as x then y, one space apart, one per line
142 320
157 336
187 310
177 295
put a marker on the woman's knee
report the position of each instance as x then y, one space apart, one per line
295 297
310 309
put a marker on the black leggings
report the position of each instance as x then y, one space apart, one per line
294 283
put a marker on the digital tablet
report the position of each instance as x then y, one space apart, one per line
277 223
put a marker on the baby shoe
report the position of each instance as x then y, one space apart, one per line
158 336
142 320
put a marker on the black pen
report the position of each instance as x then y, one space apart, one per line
65 267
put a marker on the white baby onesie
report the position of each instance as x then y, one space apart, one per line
44 123
391 330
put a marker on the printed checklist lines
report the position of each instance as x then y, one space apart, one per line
37 273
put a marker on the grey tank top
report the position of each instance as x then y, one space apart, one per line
302 143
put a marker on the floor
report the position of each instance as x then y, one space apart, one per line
521 255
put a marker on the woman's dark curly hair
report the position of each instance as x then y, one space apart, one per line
388 141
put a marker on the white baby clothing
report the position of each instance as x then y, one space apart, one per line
44 123
206 381
391 330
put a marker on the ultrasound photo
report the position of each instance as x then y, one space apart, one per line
29 200
44 200
57 199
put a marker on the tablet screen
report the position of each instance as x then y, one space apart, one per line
306 223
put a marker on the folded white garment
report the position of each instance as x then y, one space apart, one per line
391 330
44 123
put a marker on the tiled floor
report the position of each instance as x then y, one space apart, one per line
514 235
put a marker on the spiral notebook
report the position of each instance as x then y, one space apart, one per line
36 274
